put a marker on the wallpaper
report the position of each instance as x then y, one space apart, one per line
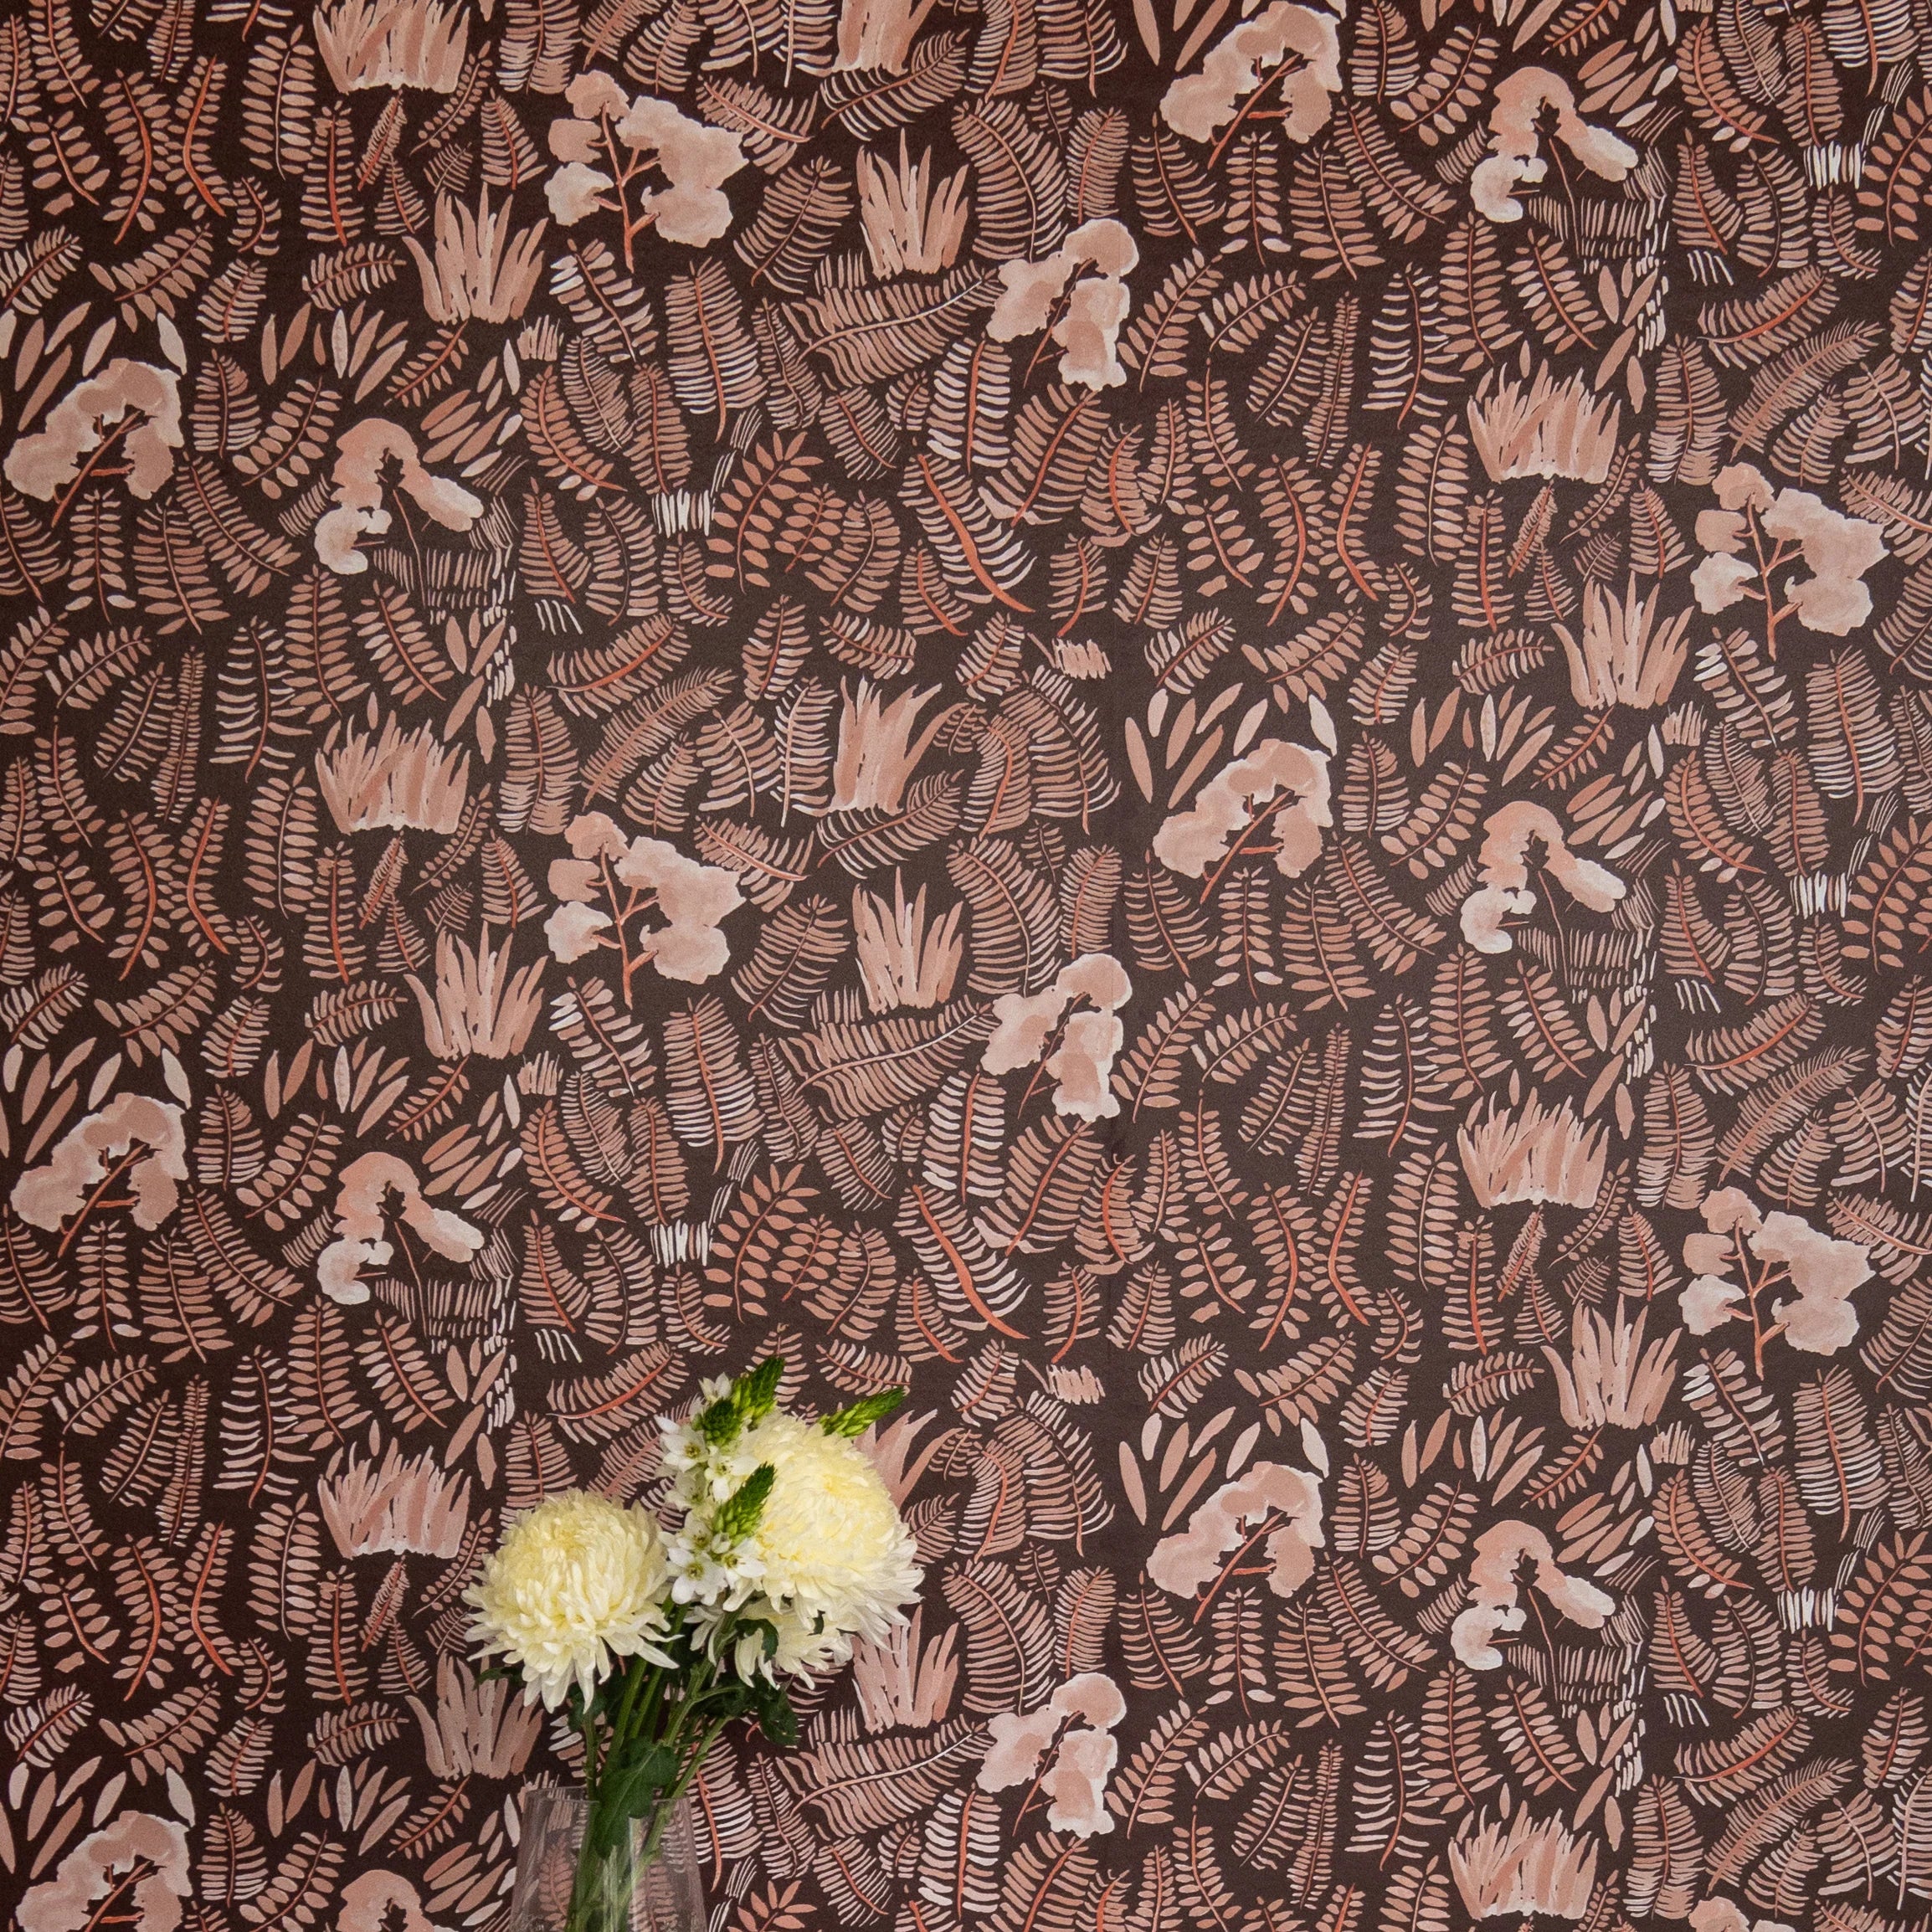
1208 734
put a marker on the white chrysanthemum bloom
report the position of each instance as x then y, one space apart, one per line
828 1559
578 1580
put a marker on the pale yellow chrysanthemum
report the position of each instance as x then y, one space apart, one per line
830 1559
578 1581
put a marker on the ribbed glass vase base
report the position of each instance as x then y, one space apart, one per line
620 1883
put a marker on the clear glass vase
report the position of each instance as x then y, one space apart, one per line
627 1875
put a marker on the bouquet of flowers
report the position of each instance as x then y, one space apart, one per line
785 1544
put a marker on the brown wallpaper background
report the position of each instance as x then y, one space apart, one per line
1237 775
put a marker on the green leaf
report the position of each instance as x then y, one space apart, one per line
631 1787
864 1414
776 1719
727 1701
737 1516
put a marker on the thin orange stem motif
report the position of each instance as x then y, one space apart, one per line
622 174
93 462
1279 803
1780 555
1027 1803
1054 315
1046 1053
1289 64
1756 1281
97 1198
638 902
1234 1567
136 123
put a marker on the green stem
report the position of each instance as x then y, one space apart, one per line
692 1765
588 1731
635 1678
606 1865
643 1714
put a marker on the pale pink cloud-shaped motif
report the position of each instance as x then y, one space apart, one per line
42 465
361 1236
1494 1591
45 1195
66 1902
1199 104
1082 1064
1182 1564
1194 841
1076 1782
